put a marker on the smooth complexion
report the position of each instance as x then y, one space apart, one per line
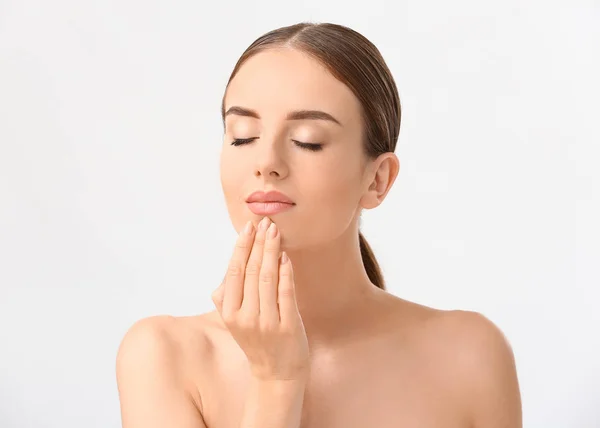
350 354
316 159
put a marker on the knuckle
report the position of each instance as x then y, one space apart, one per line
253 267
266 277
242 245
247 321
286 291
234 269
268 325
271 249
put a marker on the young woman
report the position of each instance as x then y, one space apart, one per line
305 334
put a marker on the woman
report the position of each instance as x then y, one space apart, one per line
305 334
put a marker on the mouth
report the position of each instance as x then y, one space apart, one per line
269 208
271 196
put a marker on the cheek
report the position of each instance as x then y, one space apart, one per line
339 198
232 175
336 182
332 196
232 170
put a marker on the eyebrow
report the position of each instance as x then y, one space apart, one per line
294 115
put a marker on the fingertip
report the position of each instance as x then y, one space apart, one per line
249 228
286 263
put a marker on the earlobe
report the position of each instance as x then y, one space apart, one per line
369 201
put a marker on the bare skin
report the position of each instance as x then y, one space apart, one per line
382 375
400 364
375 359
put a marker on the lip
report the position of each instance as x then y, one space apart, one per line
269 203
272 196
268 208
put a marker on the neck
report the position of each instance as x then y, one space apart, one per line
331 285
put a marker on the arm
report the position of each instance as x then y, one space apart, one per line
274 404
151 390
488 365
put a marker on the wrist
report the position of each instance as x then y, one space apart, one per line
280 386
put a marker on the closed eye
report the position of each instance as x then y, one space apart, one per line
308 146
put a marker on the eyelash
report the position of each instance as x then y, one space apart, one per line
307 146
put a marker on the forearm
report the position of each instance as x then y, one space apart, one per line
274 404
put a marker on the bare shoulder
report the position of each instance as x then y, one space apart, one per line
467 332
152 336
477 360
158 363
465 335
473 342
152 375
160 336
156 342
469 356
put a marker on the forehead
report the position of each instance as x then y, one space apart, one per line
276 81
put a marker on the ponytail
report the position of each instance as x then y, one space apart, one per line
371 265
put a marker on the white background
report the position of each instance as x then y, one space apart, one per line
111 205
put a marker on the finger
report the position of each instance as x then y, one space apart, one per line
234 279
269 277
217 296
288 308
251 304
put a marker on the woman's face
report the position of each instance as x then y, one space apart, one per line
326 185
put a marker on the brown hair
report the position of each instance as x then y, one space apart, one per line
356 62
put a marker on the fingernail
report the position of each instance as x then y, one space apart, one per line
284 258
272 232
263 223
248 228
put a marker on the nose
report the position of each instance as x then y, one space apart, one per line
270 161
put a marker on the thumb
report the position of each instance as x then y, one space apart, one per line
217 296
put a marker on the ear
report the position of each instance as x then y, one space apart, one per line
379 178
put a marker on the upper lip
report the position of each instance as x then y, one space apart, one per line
271 196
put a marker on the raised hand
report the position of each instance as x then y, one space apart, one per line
257 303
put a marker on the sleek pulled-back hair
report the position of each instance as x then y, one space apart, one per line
356 62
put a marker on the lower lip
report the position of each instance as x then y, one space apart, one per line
268 208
